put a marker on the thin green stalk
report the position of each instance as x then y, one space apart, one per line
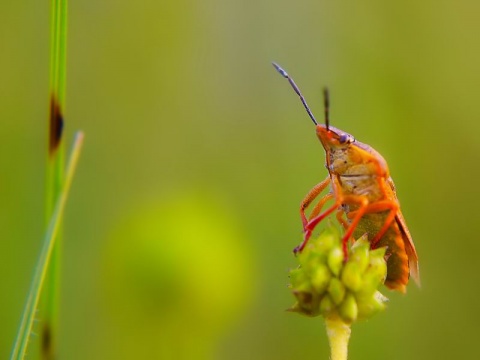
55 172
20 347
338 333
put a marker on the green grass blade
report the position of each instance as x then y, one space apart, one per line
58 42
48 308
28 316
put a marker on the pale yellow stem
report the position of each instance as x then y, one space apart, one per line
338 334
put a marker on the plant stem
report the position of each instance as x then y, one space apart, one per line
338 333
39 276
55 173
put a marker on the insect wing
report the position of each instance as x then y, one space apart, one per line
407 240
409 247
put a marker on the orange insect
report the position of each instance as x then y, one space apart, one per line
363 192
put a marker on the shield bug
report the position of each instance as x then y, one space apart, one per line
363 195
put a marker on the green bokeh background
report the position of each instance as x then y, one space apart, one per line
190 134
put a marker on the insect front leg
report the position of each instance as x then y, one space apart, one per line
362 202
312 223
312 194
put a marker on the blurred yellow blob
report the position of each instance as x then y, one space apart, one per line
177 274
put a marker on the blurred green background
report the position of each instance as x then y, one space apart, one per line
184 210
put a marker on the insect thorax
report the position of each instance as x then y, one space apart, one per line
365 185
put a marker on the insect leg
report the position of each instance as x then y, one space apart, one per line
312 194
362 201
318 208
342 199
379 206
311 225
341 220
383 206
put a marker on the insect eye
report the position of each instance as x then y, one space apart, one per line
346 138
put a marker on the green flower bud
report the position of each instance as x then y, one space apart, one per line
368 308
360 254
310 258
335 260
325 284
320 278
299 280
327 242
377 270
371 279
348 309
326 306
352 276
336 290
378 253
367 290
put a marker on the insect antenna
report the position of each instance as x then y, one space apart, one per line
297 90
326 105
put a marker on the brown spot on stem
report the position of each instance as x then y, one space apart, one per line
47 345
56 125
